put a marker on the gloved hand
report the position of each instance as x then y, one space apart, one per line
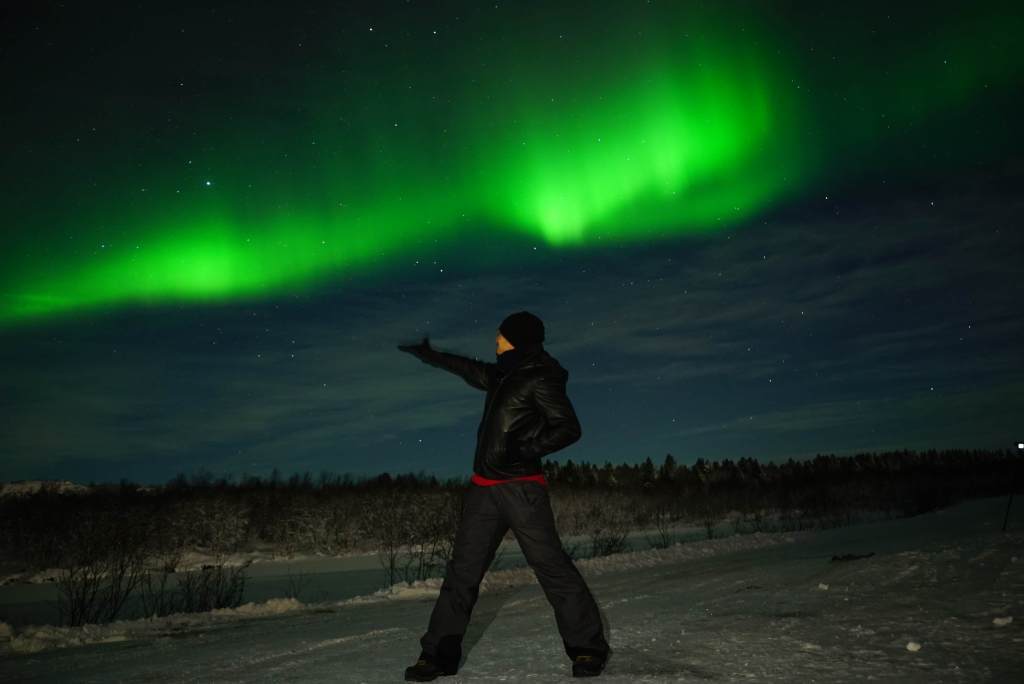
417 349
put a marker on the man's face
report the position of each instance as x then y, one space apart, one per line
503 344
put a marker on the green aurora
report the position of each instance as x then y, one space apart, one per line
598 139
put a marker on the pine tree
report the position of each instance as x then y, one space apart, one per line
647 472
667 472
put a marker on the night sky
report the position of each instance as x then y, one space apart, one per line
762 230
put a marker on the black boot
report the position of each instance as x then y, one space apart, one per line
587 665
427 669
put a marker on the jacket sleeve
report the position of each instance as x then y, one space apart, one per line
477 374
561 426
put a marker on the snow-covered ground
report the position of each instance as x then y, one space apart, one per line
941 599
27 487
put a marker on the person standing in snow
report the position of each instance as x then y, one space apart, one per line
527 415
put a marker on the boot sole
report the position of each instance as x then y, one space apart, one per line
413 677
580 672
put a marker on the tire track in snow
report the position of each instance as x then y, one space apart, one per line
266 664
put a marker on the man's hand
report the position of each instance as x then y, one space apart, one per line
561 425
417 349
476 373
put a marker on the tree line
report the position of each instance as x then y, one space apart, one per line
115 539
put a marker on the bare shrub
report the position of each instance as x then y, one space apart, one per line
710 510
304 527
418 556
213 521
341 531
448 518
755 520
307 521
661 516
570 511
227 522
156 596
155 593
433 525
102 562
608 525
212 586
789 520
386 521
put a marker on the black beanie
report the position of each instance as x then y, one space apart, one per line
522 328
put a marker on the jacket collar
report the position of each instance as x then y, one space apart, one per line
522 355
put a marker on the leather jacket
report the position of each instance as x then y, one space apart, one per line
527 414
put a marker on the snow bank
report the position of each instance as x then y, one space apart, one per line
29 487
37 638
195 560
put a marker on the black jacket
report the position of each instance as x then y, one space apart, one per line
527 413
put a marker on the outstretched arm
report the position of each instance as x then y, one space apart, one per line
561 426
477 374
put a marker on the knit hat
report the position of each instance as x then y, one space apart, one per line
522 328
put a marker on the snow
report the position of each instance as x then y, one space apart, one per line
36 639
194 560
27 487
935 602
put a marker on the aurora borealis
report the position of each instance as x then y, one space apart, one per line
640 125
675 138
164 164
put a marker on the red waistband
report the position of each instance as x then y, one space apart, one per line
480 480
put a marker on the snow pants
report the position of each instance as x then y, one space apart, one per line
488 512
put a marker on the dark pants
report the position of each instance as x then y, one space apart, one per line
488 513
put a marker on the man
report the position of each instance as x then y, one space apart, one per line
527 416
